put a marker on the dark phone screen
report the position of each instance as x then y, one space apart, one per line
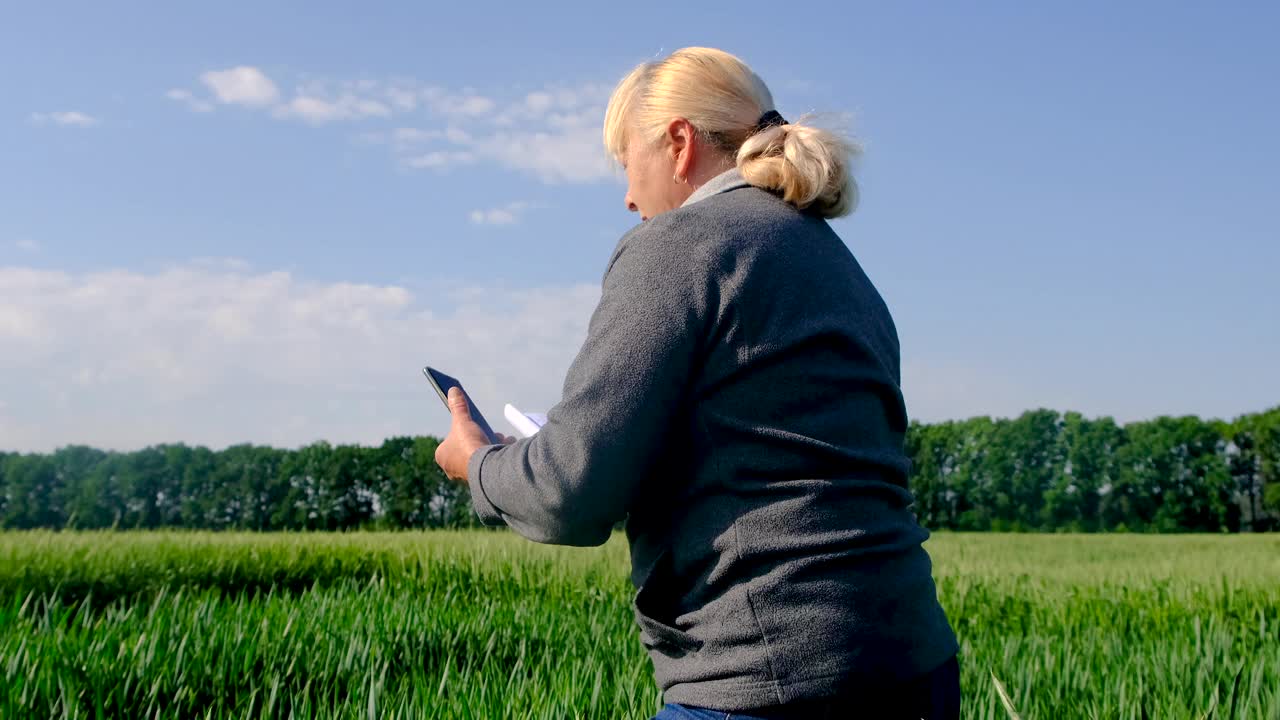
442 383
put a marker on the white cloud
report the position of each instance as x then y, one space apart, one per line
318 110
401 98
439 159
69 118
561 143
241 85
586 98
472 105
508 214
410 136
220 263
193 103
317 102
573 154
552 134
466 104
210 352
538 102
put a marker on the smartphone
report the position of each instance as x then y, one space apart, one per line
442 383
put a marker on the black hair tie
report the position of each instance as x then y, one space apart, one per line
769 119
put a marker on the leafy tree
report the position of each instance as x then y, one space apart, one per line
403 493
351 485
1268 449
75 467
4 487
932 452
307 501
33 492
976 475
1072 501
1033 444
1245 470
1196 492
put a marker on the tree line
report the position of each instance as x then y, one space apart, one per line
1043 471
1050 471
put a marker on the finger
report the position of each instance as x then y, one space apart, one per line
458 403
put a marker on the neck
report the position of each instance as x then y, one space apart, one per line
702 174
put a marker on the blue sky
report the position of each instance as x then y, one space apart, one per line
253 222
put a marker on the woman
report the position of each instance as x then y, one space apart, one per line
737 401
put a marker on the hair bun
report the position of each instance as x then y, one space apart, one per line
807 166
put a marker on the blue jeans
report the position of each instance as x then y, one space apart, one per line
676 711
933 696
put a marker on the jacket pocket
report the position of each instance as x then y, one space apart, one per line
655 611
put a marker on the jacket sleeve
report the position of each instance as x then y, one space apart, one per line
569 483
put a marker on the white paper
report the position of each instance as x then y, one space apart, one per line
525 424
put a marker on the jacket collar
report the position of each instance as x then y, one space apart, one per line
730 179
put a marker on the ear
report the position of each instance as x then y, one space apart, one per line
680 138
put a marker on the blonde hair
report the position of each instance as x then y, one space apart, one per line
721 97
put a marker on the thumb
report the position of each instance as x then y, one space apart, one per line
458 403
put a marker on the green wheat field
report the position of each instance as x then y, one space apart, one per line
478 624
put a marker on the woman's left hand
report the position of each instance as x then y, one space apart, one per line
464 438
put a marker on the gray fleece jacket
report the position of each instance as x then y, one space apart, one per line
737 401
